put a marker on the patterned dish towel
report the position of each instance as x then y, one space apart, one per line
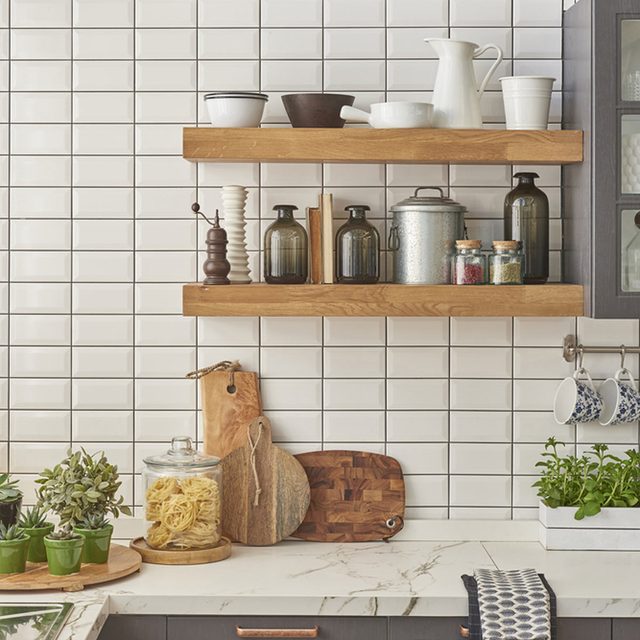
510 605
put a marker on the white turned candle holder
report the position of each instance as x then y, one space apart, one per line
234 199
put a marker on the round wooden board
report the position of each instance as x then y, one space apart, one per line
122 562
192 556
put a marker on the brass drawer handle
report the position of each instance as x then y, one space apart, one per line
277 633
464 632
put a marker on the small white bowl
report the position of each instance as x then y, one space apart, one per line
235 108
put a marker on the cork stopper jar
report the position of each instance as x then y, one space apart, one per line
506 263
468 265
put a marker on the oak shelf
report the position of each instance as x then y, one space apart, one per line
365 145
382 300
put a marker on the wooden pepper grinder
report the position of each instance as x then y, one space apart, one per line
216 267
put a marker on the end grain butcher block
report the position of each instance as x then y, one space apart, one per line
265 490
355 497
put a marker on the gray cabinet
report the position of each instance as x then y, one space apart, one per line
626 629
601 95
425 628
134 628
225 627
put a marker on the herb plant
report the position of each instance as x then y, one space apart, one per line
33 519
81 486
595 480
12 532
9 491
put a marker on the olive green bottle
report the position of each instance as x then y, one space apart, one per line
286 253
526 218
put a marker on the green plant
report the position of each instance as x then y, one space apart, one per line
595 480
93 522
64 533
33 519
80 486
12 532
9 491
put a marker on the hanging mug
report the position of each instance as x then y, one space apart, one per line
621 399
577 400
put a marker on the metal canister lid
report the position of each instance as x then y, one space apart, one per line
182 454
429 203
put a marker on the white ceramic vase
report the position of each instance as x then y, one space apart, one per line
234 198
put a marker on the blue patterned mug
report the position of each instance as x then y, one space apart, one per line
621 399
577 400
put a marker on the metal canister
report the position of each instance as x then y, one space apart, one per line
423 236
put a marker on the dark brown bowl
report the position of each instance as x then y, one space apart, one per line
316 109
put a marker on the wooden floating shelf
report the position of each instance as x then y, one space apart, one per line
382 300
363 145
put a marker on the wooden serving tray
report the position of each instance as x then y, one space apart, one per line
189 556
122 562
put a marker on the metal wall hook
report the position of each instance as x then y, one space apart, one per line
572 351
623 353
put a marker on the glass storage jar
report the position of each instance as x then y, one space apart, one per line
506 263
468 266
286 253
357 249
183 493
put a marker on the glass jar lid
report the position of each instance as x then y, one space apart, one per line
506 245
429 203
468 244
182 454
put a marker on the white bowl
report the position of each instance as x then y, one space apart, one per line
235 109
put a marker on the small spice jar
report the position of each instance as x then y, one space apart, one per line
468 266
182 498
506 263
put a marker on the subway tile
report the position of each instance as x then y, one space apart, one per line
481 362
354 75
102 298
33 457
408 42
34 393
40 13
354 394
291 75
473 395
40 44
94 202
40 330
481 491
221 76
50 266
39 107
479 513
294 44
248 357
166 75
158 298
284 13
33 139
432 490
103 13
165 394
229 13
417 362
97 44
290 362
500 36
296 426
417 394
354 426
537 426
480 426
354 362
102 266
354 43
158 139
282 174
594 433
161 426
103 75
418 331
102 171
102 330
544 13
420 457
408 13
102 234
417 426
106 107
34 362
235 44
165 330
541 332
40 171
103 139
540 363
471 13
291 394
170 266
31 297
291 331
165 234
166 13
480 458
486 332
608 332
355 13
354 331
40 426
230 332
537 43
163 44
524 494
534 395
102 362
158 171
411 75
40 234
164 362
102 394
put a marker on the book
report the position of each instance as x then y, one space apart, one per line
328 269
314 226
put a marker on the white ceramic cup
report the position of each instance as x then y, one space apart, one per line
621 399
235 109
577 400
526 101
392 115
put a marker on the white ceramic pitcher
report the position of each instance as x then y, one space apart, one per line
456 96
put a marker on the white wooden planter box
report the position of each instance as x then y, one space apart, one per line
613 529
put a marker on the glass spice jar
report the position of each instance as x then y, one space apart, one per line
286 253
506 263
357 249
183 498
468 266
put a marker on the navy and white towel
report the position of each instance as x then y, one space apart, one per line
510 605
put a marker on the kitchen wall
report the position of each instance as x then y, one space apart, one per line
97 237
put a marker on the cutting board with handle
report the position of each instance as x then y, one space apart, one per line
265 491
230 401
355 497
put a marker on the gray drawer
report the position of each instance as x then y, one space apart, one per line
134 628
224 627
626 629
584 629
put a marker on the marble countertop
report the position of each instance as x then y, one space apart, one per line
385 579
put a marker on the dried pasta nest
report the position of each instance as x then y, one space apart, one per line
185 513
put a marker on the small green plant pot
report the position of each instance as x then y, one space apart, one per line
9 512
37 552
13 555
96 544
64 556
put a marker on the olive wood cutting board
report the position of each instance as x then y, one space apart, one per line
263 512
355 497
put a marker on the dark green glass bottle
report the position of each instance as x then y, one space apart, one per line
357 249
526 218
286 253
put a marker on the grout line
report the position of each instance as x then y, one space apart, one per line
9 224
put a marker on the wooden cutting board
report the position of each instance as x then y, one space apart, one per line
265 512
228 409
355 497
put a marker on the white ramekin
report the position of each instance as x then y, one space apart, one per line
235 108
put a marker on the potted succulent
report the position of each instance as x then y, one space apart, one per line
10 500
589 502
34 524
14 546
83 490
64 551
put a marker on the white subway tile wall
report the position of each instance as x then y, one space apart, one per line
97 236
